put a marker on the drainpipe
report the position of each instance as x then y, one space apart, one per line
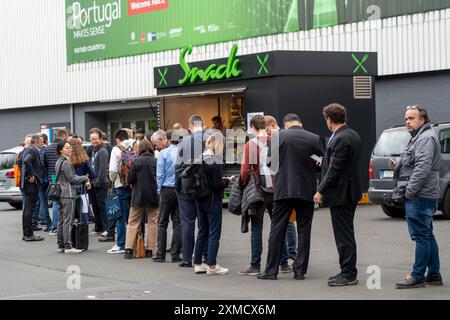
72 119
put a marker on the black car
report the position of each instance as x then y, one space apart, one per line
389 147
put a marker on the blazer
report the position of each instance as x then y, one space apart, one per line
142 177
32 166
340 169
296 177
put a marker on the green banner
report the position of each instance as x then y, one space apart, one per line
102 29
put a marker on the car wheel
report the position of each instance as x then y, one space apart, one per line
446 205
393 212
16 205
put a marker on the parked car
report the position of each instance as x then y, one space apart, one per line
387 150
8 190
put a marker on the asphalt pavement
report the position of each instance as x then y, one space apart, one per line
36 271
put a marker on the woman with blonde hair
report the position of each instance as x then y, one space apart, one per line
210 208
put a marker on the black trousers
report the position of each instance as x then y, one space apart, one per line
342 220
31 191
98 200
280 219
169 209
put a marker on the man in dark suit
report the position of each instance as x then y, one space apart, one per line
295 185
32 177
340 189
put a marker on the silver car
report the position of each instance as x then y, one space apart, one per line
388 148
8 190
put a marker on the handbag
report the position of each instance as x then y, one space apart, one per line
113 209
54 188
235 199
252 195
139 246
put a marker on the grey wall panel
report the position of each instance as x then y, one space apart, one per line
431 90
15 124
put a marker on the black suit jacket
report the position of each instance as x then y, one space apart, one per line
296 177
32 166
340 169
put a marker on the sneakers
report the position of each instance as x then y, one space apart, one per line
72 250
106 239
60 250
200 268
286 269
104 234
435 280
409 283
341 281
32 238
116 249
218 270
250 271
53 233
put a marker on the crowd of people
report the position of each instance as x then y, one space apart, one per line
178 176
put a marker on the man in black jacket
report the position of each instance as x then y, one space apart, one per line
32 176
340 189
99 192
295 185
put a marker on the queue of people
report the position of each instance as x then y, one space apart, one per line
178 175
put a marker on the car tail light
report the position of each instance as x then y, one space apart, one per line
371 171
10 175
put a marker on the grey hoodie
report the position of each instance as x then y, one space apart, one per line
67 179
418 168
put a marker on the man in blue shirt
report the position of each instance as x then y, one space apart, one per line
165 176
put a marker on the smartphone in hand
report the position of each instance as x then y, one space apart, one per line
315 157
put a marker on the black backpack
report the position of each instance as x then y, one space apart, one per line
194 181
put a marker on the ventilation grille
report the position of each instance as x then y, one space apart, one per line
362 87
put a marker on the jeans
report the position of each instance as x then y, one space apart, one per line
188 215
209 230
257 223
55 213
419 216
125 199
41 211
291 240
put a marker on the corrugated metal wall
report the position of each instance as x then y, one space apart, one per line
33 70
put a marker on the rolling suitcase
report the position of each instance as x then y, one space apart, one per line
80 236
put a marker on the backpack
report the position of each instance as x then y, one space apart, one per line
266 176
127 157
194 181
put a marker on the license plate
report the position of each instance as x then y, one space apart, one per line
2 183
387 174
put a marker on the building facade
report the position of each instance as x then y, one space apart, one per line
40 89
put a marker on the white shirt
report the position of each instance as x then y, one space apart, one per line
114 163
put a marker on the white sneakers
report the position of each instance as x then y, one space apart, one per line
218 270
200 268
73 250
116 249
53 233
204 268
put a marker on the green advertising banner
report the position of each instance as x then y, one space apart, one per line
102 29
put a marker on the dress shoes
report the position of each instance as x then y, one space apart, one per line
185 264
265 276
32 238
299 277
